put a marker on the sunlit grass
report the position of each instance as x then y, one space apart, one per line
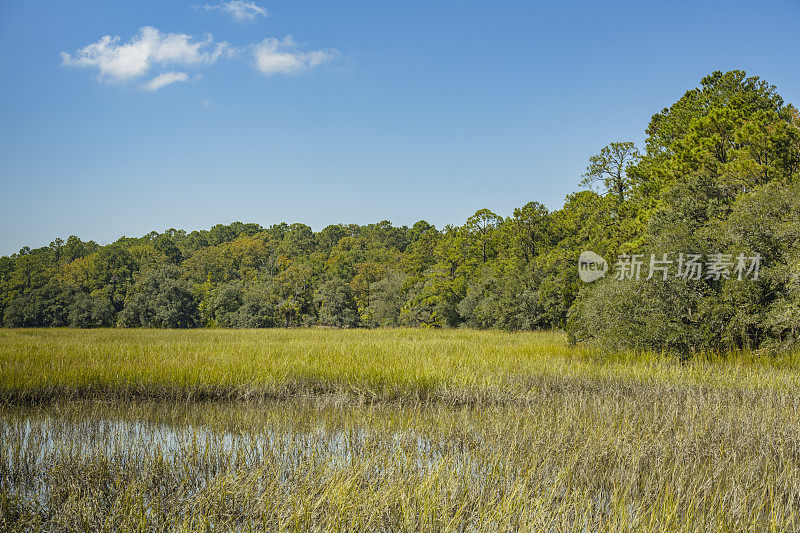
453 366
389 430
636 459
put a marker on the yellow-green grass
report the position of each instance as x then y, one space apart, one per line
450 366
389 430
574 460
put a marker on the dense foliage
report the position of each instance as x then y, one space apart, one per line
719 172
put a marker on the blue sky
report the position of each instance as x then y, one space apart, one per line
327 112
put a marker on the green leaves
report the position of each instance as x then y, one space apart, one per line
718 176
608 170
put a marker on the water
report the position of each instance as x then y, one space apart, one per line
206 439
576 460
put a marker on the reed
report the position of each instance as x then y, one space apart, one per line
389 430
450 366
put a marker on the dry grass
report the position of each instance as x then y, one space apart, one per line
389 431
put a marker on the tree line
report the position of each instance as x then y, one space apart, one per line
718 173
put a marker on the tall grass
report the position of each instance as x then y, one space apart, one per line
396 430
452 367
643 459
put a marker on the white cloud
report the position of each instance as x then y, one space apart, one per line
153 50
162 80
275 56
239 10
120 62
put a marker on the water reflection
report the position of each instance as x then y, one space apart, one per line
235 436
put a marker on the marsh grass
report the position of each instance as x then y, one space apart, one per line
450 367
649 459
389 431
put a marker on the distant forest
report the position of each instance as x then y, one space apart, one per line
718 173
